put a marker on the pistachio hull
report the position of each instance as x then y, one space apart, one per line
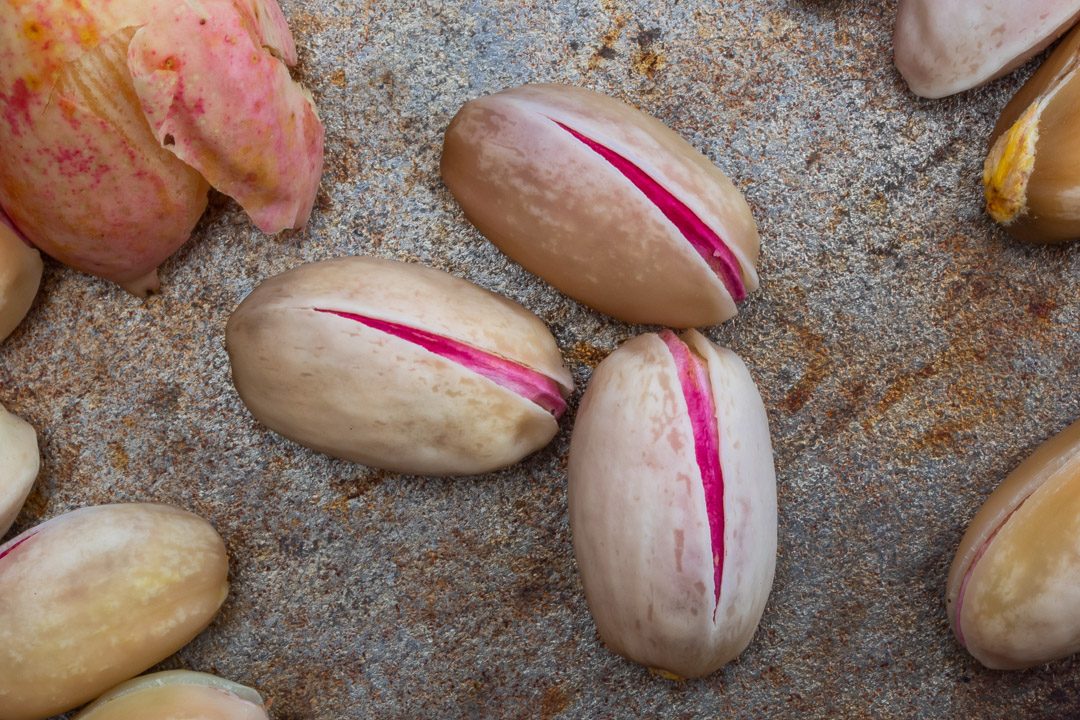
604 202
91 598
20 275
676 568
1014 586
397 366
177 694
942 47
19 465
1032 172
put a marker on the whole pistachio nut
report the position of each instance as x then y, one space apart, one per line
116 116
177 695
1014 586
673 503
397 366
942 47
605 203
19 465
1031 176
92 598
20 275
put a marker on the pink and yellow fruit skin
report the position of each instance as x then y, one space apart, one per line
116 116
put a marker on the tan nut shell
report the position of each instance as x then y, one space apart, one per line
19 465
638 517
91 598
20 275
177 695
1021 604
564 213
353 392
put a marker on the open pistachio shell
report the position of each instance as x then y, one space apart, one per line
943 47
20 275
19 465
1032 172
673 503
1014 587
177 695
94 597
397 366
605 203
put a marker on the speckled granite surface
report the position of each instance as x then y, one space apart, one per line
908 352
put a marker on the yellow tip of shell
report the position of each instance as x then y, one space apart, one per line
1009 165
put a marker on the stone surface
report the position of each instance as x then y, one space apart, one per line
908 352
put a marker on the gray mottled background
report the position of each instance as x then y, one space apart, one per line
909 353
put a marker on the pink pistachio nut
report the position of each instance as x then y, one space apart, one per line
94 597
20 276
19 465
397 366
117 117
673 503
605 203
942 47
176 694
1014 587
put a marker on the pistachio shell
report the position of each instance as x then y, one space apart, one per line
1032 172
604 202
177 695
315 358
948 46
20 275
19 464
676 568
1014 587
91 598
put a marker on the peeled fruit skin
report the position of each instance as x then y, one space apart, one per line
944 47
92 598
20 276
640 509
308 367
19 465
1032 172
117 115
603 202
1014 586
177 695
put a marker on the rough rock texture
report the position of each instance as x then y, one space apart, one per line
908 352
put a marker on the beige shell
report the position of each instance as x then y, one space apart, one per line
357 393
94 597
1014 587
563 212
177 694
638 512
20 275
19 465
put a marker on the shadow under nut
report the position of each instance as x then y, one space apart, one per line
91 598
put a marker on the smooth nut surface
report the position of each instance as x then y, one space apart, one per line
1014 586
673 503
19 465
20 276
604 202
397 366
177 695
943 47
91 598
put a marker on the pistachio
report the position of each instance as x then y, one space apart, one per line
177 694
1031 176
673 503
91 598
397 366
605 203
943 47
20 275
1014 586
19 465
